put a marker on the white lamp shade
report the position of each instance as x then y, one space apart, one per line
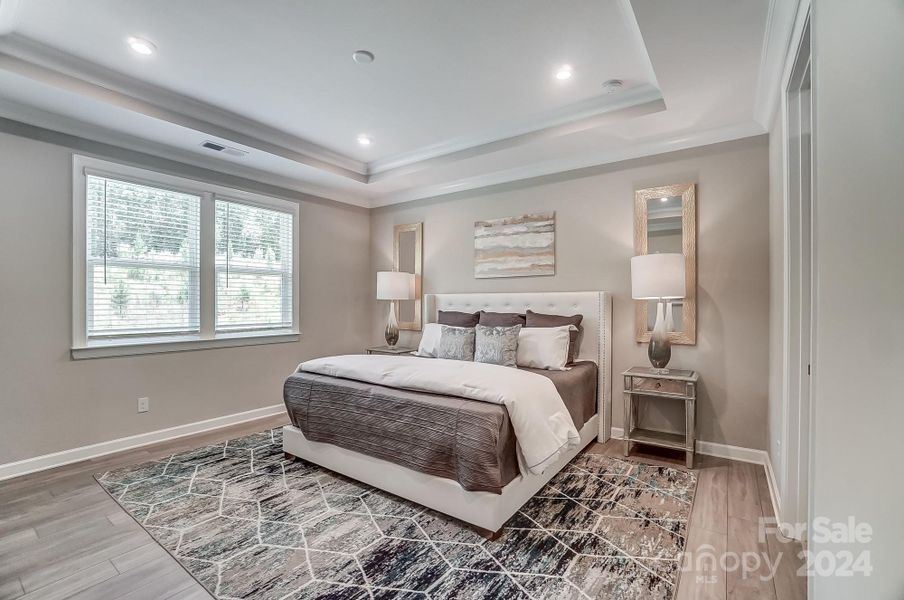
655 276
395 285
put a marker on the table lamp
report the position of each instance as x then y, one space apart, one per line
659 277
392 286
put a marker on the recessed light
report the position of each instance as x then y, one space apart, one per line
363 140
564 72
141 46
363 57
663 199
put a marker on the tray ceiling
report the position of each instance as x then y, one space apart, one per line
460 94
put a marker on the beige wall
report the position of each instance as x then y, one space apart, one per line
50 403
594 216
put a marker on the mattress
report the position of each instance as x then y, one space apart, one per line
468 441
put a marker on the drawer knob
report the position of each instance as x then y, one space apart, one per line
659 384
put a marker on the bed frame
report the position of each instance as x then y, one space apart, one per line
483 509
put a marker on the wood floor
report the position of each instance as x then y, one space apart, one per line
62 536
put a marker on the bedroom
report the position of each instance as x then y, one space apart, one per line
212 235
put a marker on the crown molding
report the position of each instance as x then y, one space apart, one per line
35 61
586 114
780 24
30 59
52 124
669 144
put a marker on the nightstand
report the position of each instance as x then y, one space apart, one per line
678 385
394 351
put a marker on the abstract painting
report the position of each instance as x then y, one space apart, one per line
522 246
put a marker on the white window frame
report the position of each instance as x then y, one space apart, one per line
82 347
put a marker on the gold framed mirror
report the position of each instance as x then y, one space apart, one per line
408 245
665 220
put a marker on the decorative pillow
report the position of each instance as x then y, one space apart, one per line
497 345
458 319
494 319
456 343
429 340
541 320
543 347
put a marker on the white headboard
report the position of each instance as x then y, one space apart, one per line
595 343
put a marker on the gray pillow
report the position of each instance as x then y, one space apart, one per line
494 319
497 345
455 318
456 343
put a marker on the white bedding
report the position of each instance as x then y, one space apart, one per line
543 428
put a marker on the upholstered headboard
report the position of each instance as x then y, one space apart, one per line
596 341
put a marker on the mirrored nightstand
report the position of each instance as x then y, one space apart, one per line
678 385
394 351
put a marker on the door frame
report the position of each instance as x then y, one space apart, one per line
798 391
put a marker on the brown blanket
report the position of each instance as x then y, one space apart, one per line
468 441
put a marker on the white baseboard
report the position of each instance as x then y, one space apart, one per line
65 457
748 455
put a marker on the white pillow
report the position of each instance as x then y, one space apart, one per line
429 340
543 347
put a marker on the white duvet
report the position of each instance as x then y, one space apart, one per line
543 428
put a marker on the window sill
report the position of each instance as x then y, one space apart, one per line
134 347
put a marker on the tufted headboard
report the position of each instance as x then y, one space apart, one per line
595 343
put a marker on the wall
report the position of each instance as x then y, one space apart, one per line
51 403
857 446
594 242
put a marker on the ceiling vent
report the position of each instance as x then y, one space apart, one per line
224 149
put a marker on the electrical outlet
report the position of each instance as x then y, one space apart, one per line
144 405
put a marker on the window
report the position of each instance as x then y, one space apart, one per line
163 263
142 267
254 267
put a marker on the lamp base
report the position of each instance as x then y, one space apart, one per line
660 349
392 327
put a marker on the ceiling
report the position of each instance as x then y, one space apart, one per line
460 95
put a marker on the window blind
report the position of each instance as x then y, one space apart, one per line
142 259
253 267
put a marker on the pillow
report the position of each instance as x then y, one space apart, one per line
543 347
494 319
541 320
429 340
456 343
496 345
458 319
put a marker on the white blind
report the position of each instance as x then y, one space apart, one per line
142 259
254 267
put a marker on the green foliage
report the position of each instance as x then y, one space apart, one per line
139 221
120 298
248 232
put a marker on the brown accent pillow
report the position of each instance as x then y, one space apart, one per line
494 319
458 319
541 320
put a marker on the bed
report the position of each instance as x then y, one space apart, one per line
450 453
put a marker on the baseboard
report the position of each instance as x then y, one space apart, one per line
65 457
773 489
738 453
748 455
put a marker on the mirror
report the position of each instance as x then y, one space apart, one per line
407 257
665 220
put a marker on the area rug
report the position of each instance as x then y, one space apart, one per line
248 524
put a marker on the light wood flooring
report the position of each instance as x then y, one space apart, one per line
62 536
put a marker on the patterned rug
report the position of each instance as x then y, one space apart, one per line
248 524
